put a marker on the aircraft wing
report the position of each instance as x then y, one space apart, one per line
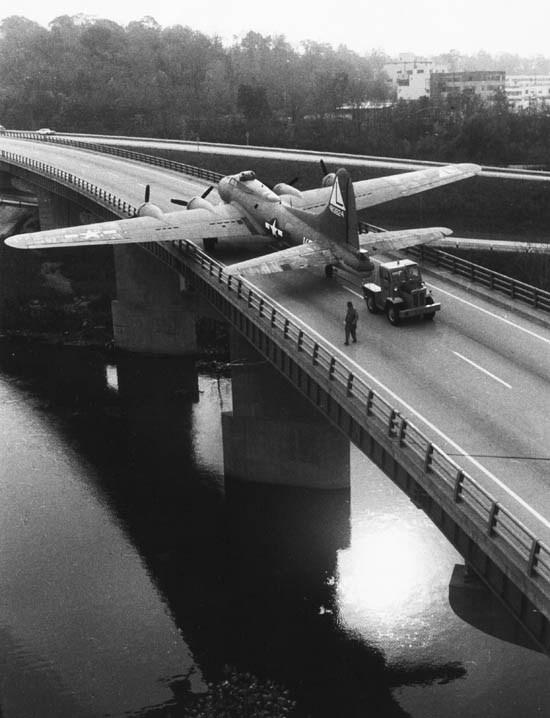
371 192
402 238
301 256
193 225
488 245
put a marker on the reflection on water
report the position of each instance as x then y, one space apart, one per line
131 575
81 619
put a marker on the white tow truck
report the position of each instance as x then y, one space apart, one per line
397 288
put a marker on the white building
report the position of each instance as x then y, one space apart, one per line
523 91
410 76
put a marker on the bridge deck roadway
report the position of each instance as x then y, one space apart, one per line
391 164
124 178
476 380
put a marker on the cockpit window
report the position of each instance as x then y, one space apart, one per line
247 176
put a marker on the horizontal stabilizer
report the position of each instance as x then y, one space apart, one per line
299 257
401 239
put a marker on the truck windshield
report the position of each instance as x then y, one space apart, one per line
406 274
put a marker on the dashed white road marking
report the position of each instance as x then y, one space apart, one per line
428 423
477 366
354 292
492 314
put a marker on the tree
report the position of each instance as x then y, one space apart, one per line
252 102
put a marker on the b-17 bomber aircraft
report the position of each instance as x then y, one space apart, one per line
315 228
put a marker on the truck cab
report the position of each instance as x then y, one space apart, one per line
397 288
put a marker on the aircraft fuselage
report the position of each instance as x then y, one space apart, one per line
277 215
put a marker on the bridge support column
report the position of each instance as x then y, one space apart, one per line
150 314
274 435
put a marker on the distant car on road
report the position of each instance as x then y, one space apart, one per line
45 131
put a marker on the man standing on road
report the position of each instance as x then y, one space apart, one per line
350 323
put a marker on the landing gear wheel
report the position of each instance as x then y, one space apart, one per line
392 312
371 304
329 271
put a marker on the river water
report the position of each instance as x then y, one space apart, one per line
131 576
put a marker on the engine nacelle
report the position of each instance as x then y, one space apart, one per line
282 188
200 203
147 209
328 180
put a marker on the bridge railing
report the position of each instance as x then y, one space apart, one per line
500 526
505 531
68 179
181 167
520 291
291 152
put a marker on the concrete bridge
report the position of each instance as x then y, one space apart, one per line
454 412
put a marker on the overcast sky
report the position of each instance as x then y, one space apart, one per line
419 26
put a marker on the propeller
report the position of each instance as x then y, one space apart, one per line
184 202
147 192
323 167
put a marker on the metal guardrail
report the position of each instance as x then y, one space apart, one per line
505 531
476 503
107 199
399 162
520 291
190 170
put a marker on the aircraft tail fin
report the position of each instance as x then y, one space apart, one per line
339 218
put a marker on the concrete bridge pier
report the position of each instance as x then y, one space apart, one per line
151 315
274 435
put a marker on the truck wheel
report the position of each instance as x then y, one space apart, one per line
429 315
392 312
371 304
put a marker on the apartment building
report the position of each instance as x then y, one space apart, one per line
483 83
410 76
524 91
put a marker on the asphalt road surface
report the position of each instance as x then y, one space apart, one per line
476 380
